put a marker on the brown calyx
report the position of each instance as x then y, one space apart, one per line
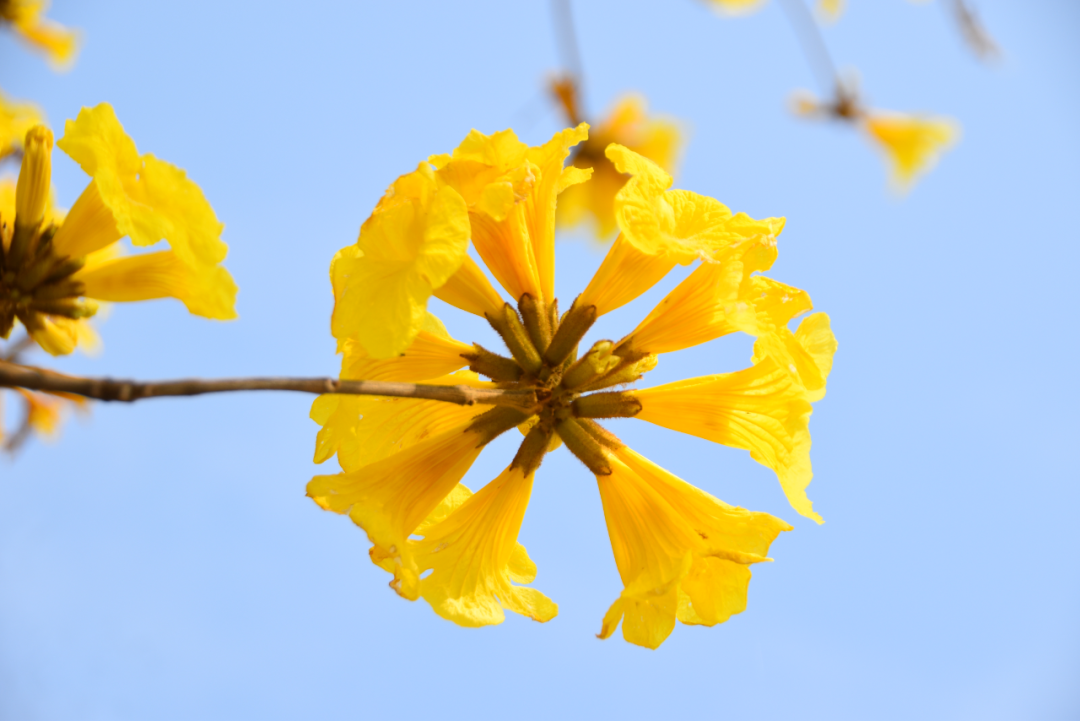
34 280
544 358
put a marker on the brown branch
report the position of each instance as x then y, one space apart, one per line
107 389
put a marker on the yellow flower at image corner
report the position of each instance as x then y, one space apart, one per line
25 17
682 554
15 119
628 124
912 144
53 269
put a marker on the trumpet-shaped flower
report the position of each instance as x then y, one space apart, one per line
15 119
25 17
681 553
53 268
629 125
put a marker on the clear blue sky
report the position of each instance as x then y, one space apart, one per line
161 561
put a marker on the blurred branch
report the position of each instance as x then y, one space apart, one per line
107 389
567 88
813 45
974 32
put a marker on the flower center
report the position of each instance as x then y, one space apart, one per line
34 280
544 358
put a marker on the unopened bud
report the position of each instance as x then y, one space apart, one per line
596 362
493 423
537 322
572 329
496 367
607 405
584 446
35 176
518 341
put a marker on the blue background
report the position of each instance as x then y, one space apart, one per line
161 561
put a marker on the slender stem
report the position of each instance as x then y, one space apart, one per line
107 389
813 45
567 38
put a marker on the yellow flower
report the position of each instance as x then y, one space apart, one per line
912 144
830 10
15 119
682 554
54 268
58 43
628 124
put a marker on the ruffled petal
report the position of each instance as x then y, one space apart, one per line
474 556
673 541
807 354
150 200
416 239
390 498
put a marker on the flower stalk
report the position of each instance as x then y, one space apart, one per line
107 389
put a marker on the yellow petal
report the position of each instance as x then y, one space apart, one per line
807 354
390 498
912 144
671 539
511 191
678 224
150 199
474 556
431 354
89 226
56 335
736 536
413 243
471 291
761 409
624 274
365 429
43 412
208 291
15 120
549 158
58 43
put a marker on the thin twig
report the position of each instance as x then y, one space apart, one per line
107 389
813 45
564 32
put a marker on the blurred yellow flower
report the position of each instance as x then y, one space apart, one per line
15 119
912 144
682 554
58 43
736 7
628 124
53 268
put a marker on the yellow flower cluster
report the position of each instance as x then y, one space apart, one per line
682 553
53 267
